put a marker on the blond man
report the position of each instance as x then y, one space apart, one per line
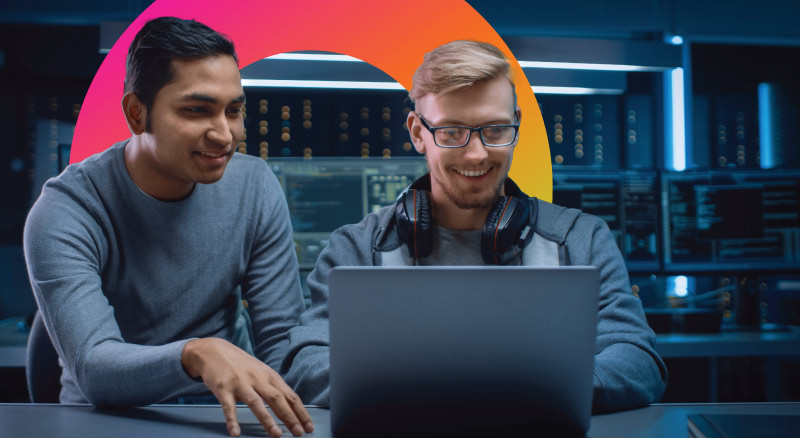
466 123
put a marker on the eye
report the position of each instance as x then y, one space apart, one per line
195 109
235 111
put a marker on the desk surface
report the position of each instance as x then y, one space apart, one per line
59 421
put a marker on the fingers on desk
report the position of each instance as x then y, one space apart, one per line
270 388
229 410
256 404
295 404
286 405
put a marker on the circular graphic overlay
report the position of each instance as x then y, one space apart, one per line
392 36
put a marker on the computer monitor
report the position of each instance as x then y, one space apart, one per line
731 220
626 199
325 193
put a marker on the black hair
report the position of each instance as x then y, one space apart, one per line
149 62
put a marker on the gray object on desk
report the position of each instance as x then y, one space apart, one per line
449 350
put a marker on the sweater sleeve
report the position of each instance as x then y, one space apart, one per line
65 249
627 372
307 364
271 284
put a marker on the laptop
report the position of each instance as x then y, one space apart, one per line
444 351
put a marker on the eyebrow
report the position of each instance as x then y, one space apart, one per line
450 122
206 98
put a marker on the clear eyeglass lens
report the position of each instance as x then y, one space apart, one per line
452 136
497 135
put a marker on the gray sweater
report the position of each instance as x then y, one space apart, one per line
123 280
628 372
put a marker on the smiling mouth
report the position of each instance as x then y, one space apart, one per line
473 173
213 155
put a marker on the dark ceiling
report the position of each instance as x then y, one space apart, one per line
724 21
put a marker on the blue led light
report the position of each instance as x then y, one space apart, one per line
676 120
354 85
766 124
681 286
678 286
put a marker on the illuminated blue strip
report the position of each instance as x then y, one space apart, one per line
523 64
766 128
537 89
356 85
587 66
678 120
353 85
314 57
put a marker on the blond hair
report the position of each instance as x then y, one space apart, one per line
459 64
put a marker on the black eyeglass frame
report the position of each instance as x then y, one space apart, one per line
479 129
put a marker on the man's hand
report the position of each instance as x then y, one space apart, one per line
233 375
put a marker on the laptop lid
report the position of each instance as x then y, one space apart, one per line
432 350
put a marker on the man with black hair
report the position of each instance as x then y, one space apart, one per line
140 256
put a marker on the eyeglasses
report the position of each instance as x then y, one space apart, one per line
458 136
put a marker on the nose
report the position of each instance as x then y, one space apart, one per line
220 130
474 150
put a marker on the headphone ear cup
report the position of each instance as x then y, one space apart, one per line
489 229
413 216
506 230
424 224
404 222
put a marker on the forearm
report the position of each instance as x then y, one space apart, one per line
274 309
64 264
307 364
628 370
119 374
309 374
625 377
106 369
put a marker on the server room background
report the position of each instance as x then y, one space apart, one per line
678 127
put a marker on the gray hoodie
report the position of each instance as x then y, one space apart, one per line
628 372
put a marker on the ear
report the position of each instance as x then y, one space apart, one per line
519 122
415 131
135 113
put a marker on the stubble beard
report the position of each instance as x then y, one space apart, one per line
469 201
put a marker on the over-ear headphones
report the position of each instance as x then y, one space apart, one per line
506 232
